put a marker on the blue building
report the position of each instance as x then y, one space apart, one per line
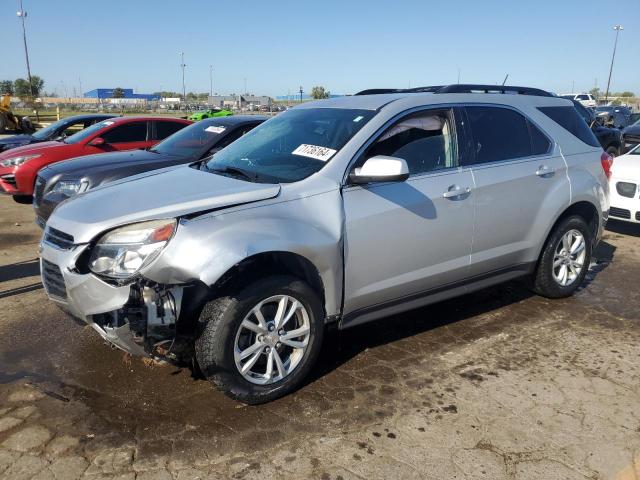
104 93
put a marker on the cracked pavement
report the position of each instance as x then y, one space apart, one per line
499 384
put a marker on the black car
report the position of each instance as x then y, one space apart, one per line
631 136
609 138
56 131
62 180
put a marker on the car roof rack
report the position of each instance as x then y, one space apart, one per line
462 88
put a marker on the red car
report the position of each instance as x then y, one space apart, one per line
19 166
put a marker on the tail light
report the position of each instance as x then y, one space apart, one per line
607 163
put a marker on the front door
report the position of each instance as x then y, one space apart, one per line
408 238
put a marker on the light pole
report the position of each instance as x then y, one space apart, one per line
617 28
182 65
22 15
300 92
211 81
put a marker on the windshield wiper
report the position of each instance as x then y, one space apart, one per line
238 172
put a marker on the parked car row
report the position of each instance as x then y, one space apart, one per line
19 166
340 211
60 181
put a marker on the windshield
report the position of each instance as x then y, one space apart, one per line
291 146
88 132
192 140
46 132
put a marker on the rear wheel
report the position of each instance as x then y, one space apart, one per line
260 343
565 259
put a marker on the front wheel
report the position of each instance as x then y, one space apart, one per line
24 199
565 259
260 343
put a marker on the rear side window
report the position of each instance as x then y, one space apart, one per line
569 119
504 134
129 132
164 129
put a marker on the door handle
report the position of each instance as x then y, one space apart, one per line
456 191
544 171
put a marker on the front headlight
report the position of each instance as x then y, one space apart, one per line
70 188
15 161
124 251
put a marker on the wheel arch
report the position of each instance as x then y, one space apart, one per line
266 263
583 208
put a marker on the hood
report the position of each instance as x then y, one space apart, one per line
632 130
158 194
31 149
626 167
102 161
15 140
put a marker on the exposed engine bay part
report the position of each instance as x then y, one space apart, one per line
146 324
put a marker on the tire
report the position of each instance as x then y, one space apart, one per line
613 150
23 199
221 320
545 281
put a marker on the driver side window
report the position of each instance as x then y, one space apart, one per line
425 140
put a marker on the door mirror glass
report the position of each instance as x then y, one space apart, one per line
381 169
97 142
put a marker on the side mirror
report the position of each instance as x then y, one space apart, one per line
380 169
97 142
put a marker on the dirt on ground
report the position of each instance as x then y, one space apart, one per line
500 384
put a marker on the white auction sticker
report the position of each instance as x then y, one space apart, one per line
215 129
314 151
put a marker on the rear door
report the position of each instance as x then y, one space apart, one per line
129 136
519 181
405 239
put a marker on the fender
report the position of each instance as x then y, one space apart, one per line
205 248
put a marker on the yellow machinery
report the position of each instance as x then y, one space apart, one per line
8 121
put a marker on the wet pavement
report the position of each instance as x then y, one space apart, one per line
498 384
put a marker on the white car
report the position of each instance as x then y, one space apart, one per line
624 186
585 99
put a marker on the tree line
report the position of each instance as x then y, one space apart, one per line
21 87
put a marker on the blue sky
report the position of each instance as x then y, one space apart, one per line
343 45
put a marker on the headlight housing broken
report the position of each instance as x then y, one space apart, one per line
123 252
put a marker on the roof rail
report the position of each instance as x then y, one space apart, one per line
462 88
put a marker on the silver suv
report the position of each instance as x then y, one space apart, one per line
339 211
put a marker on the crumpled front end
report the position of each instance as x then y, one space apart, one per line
139 317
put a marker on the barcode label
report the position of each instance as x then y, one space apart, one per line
314 151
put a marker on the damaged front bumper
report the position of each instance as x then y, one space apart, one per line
139 317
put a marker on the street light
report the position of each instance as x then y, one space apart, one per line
211 81
617 28
22 15
182 65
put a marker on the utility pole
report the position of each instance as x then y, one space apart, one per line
617 28
245 86
80 83
458 76
182 65
300 92
22 15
